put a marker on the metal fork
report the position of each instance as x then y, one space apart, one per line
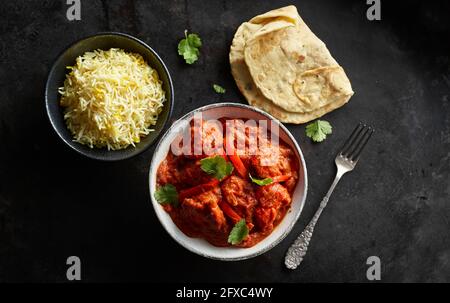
345 161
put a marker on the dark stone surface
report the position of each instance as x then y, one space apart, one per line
55 203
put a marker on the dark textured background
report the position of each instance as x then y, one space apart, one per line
55 203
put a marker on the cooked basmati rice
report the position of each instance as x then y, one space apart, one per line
111 99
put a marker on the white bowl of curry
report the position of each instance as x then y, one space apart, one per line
228 181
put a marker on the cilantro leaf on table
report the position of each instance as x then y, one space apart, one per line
238 233
189 47
216 166
261 182
318 130
219 89
167 194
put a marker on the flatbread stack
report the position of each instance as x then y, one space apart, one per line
281 67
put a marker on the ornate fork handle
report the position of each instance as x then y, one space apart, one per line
298 249
345 161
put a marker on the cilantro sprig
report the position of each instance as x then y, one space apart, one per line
261 182
167 194
219 89
216 166
318 130
238 233
189 47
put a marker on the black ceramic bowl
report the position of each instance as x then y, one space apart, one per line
105 41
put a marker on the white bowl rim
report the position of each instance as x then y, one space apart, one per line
285 232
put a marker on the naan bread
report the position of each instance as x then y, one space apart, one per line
281 67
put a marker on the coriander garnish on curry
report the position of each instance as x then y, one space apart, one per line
228 198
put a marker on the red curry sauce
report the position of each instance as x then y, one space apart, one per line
209 208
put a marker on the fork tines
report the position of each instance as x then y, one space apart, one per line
355 143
